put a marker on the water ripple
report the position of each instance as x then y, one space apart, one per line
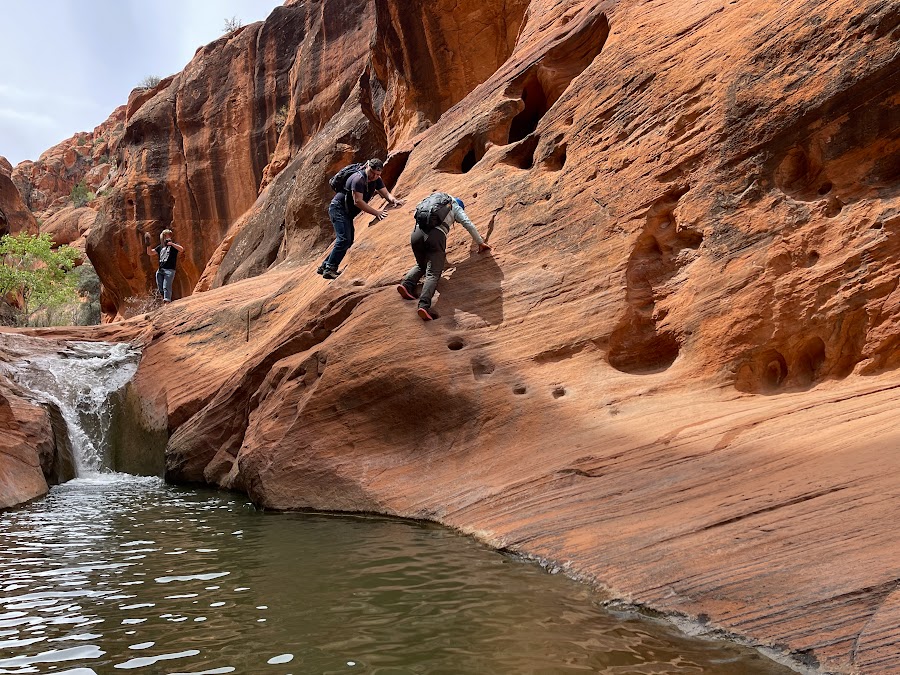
91 568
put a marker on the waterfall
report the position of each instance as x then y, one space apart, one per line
80 378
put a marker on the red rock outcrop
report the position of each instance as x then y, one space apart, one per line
35 451
46 184
193 155
71 226
676 373
14 215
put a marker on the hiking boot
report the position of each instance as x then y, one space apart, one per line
320 270
405 292
330 273
426 314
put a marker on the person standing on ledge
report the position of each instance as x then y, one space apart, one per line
167 251
347 204
434 216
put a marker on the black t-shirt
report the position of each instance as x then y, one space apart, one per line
358 182
168 255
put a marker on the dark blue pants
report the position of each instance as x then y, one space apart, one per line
343 229
431 253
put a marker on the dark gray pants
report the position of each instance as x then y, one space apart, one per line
431 253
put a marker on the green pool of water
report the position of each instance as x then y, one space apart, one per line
114 573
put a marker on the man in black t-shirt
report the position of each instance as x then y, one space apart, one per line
348 204
167 251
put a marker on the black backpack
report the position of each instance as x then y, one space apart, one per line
433 210
338 181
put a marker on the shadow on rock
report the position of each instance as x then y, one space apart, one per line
475 286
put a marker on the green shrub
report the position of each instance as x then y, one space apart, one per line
149 82
281 116
81 195
36 276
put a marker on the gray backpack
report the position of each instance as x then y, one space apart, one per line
433 210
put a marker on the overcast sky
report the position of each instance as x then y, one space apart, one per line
69 63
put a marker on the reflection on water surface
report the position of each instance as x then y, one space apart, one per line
114 573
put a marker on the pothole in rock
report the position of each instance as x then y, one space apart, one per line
638 344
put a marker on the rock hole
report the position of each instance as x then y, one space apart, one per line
559 392
812 258
774 373
545 82
638 345
877 225
535 107
482 369
833 207
556 160
468 161
520 389
455 344
762 373
393 168
467 153
799 175
522 154
808 362
638 349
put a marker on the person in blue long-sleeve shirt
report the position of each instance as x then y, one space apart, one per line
430 250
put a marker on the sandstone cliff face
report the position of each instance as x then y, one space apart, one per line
46 184
676 374
14 215
193 156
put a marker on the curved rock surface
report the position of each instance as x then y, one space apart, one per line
15 216
675 376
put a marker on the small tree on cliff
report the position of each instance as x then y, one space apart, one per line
33 276
81 195
149 82
232 25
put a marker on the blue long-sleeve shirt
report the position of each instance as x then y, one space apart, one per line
459 216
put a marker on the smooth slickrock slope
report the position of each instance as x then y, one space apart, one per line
676 374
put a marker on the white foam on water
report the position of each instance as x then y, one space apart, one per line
79 380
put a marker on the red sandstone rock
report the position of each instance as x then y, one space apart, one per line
71 226
188 168
35 451
14 215
675 375
63 166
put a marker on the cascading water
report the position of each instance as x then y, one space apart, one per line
80 380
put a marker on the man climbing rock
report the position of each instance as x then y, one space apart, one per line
434 216
352 198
